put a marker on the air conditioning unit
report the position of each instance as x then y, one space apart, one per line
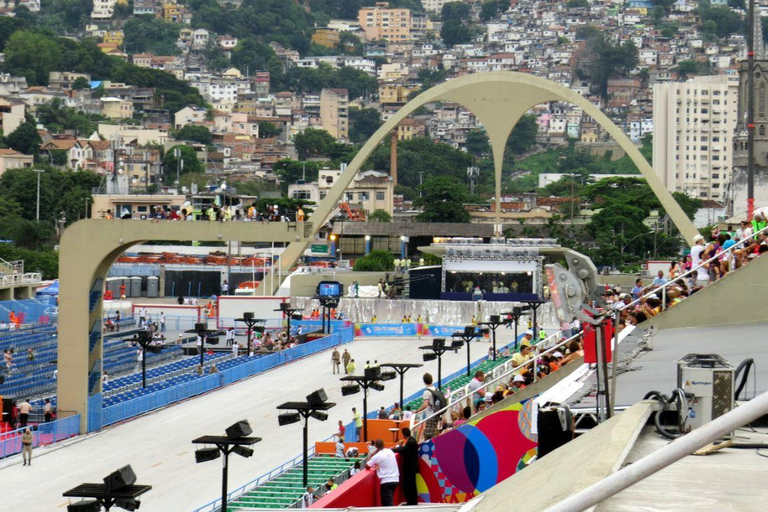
710 379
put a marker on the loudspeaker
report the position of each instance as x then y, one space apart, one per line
242 451
319 415
123 477
469 330
350 389
438 343
206 454
374 372
212 341
202 326
240 429
317 397
429 356
128 503
495 319
154 349
287 418
84 506
377 386
456 344
247 316
388 375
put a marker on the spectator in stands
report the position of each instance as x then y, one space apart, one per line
358 419
8 357
162 322
637 291
26 447
342 430
308 498
475 386
466 413
213 369
330 485
340 453
396 413
382 414
104 377
24 409
522 357
527 337
409 458
573 352
428 405
407 413
385 464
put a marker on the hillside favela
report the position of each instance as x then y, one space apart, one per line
447 256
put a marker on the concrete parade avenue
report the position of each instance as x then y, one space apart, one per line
158 445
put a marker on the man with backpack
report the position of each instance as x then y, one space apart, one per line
433 401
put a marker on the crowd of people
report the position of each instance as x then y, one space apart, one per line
237 212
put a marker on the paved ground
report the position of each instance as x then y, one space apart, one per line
158 445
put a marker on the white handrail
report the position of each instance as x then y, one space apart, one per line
553 349
671 281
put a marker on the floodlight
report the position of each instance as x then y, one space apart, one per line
240 429
319 415
242 451
438 343
495 318
388 375
259 328
429 356
373 372
456 344
206 454
469 330
84 506
377 386
317 397
297 316
350 389
128 503
154 349
287 418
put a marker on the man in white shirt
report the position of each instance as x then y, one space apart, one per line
162 322
475 387
385 464
702 277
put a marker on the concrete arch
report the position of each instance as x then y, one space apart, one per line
88 249
499 99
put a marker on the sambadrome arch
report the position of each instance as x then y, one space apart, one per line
88 248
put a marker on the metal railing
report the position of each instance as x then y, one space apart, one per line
672 279
496 380
459 393
21 279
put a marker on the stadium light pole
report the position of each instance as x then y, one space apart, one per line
248 320
493 323
316 407
352 385
436 351
118 490
400 369
465 336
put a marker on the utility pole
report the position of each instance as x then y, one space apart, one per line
751 110
37 210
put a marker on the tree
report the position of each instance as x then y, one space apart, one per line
313 143
454 29
380 216
477 143
186 163
523 136
443 201
32 56
290 171
363 123
687 68
576 4
80 83
149 34
196 133
720 21
606 60
492 8
25 139
375 261
268 130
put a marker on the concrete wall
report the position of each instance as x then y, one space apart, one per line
739 298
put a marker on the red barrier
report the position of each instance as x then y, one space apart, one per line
362 490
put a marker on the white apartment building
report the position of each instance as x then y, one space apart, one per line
433 5
103 9
693 124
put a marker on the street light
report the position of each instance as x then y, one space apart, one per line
315 406
493 323
632 240
370 379
465 336
436 351
37 210
118 490
250 322
401 368
236 441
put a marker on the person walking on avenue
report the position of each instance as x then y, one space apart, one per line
409 454
351 367
346 357
26 447
336 361
385 464
48 409
24 409
358 423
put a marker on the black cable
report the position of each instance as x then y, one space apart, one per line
746 365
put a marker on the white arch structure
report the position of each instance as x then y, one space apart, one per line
498 99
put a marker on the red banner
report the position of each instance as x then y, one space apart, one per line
590 342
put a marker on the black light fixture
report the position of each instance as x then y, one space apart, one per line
119 490
400 369
316 407
287 418
514 316
352 384
428 356
385 376
289 313
350 389
249 320
436 351
144 339
491 325
463 338
236 441
201 329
